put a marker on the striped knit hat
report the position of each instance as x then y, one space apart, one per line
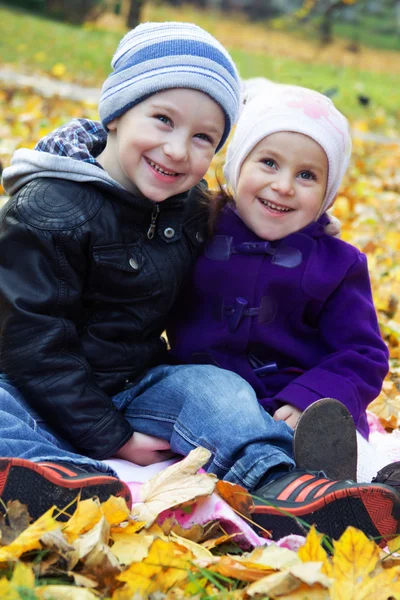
275 107
158 56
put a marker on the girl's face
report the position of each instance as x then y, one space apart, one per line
282 184
164 145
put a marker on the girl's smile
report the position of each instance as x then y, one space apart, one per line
282 185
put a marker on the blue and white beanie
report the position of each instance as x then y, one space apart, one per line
158 56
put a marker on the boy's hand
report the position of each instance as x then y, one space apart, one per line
288 413
145 450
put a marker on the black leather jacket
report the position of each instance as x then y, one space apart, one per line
84 296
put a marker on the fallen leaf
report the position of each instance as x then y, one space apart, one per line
115 510
178 483
64 592
99 534
18 518
132 549
237 497
30 538
87 514
166 565
290 580
312 550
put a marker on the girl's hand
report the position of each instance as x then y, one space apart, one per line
288 413
333 227
144 450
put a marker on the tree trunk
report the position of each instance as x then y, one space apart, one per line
134 12
325 29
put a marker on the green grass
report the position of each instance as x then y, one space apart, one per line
36 43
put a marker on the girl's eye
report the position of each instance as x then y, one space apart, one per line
268 162
204 136
307 175
163 119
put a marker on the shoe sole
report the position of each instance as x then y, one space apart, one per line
40 488
325 440
375 511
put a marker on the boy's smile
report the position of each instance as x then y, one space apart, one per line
282 184
164 145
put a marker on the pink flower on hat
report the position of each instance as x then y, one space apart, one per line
315 108
312 107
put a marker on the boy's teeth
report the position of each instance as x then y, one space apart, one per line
159 169
275 206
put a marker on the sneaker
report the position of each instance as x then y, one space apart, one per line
43 485
329 505
325 440
389 475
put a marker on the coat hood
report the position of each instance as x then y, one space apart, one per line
67 153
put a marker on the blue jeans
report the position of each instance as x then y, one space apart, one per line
188 405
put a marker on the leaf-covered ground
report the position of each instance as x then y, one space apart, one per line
102 552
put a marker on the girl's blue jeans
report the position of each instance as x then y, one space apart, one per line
188 405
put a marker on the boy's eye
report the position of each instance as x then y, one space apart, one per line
268 162
163 119
204 136
308 175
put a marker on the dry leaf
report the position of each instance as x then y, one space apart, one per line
290 580
99 534
30 538
237 497
354 563
178 483
166 566
18 519
312 550
64 592
115 510
199 552
87 514
132 549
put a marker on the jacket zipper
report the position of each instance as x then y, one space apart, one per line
152 228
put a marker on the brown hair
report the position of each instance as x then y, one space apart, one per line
216 200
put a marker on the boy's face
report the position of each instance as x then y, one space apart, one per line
282 184
164 145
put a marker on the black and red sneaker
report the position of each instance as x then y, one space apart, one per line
330 505
43 485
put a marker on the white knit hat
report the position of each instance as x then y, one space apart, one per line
161 56
277 107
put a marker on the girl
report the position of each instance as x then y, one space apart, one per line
273 298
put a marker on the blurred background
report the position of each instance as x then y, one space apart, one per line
55 54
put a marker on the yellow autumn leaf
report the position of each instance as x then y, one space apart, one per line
312 549
199 552
7 591
87 514
133 548
178 483
99 534
125 530
354 561
166 566
58 70
115 510
30 538
23 576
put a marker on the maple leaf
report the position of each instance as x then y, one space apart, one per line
64 592
312 549
87 514
175 485
166 565
356 570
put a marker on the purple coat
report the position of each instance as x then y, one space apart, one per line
295 318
